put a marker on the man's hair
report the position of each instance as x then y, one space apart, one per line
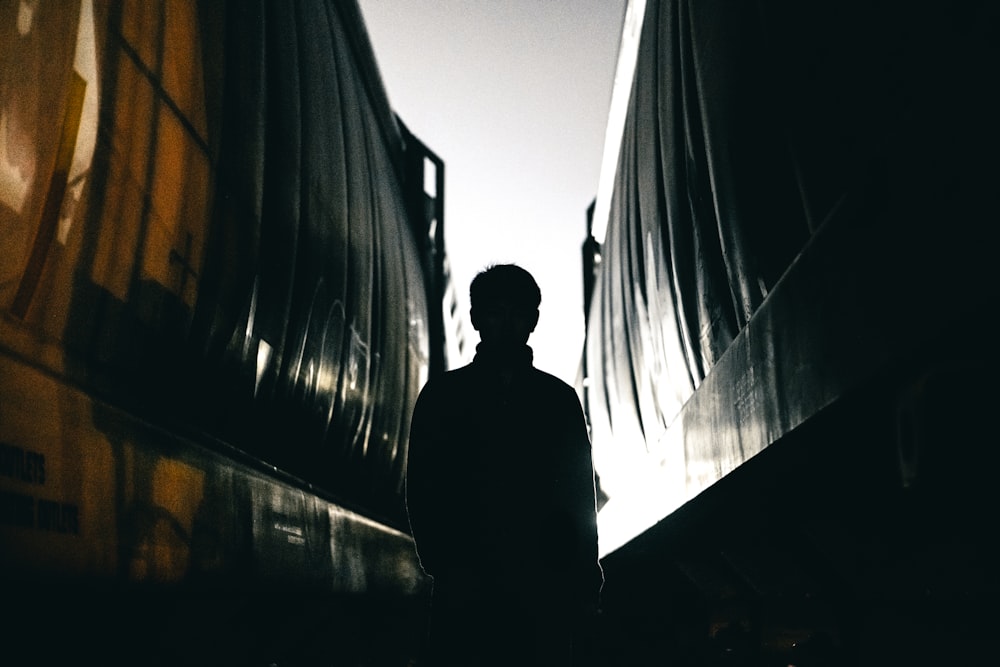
505 282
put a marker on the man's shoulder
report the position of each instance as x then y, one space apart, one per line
465 378
549 379
448 382
551 384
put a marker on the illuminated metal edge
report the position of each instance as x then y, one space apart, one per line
860 299
621 94
127 503
357 32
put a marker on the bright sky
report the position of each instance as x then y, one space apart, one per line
513 95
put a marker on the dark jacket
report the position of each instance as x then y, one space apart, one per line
500 476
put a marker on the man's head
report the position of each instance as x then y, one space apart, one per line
505 300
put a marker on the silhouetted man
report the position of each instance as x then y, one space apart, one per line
500 493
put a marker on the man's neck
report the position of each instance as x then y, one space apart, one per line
507 361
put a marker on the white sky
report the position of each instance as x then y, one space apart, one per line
513 95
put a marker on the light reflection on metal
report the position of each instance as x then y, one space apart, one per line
85 64
15 179
263 357
328 371
430 182
652 486
25 17
245 345
628 52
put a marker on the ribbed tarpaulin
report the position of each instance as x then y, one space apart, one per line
325 313
751 129
232 247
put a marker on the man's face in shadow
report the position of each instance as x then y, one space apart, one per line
504 325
